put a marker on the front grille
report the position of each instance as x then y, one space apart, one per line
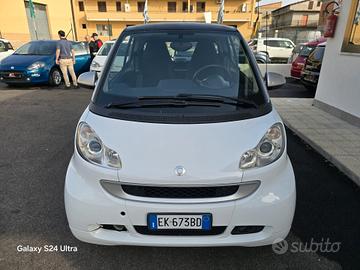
12 75
180 192
180 232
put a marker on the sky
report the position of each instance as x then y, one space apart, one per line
285 2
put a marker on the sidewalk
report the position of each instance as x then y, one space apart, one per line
337 140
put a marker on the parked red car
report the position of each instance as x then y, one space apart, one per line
299 62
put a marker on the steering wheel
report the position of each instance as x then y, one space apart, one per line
223 76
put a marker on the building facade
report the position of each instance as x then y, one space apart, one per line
338 90
109 17
298 21
18 26
264 13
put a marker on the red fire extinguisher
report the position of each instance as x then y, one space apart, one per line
331 20
330 25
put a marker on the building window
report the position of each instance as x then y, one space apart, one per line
104 29
351 41
83 26
319 3
101 6
200 6
311 5
184 6
171 6
118 6
81 6
141 6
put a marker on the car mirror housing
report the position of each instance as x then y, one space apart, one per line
88 79
274 80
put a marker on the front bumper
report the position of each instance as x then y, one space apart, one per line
88 205
24 76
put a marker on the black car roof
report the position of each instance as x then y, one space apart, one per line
181 26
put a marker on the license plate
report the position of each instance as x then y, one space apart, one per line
179 221
12 75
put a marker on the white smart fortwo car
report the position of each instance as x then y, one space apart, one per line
180 151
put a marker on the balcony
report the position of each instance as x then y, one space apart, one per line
113 16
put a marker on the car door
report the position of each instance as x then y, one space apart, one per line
82 57
285 48
272 48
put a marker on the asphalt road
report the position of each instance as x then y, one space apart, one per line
36 143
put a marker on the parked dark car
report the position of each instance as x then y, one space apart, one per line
298 62
34 63
311 72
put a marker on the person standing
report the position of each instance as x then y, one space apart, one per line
98 41
92 47
65 58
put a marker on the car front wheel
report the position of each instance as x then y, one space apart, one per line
55 77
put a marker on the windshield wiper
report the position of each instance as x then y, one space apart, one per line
163 103
205 98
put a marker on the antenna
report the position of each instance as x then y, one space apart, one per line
266 38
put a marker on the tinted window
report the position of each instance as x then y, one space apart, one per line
306 50
37 48
148 64
278 43
317 54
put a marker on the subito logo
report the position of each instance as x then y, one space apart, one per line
280 246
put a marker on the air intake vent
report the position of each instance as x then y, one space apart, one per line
180 192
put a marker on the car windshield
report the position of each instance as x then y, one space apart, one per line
180 63
306 50
37 48
105 49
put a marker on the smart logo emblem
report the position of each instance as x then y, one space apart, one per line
180 170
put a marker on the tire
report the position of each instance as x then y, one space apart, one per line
55 77
260 61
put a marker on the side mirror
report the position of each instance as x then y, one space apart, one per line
274 80
88 79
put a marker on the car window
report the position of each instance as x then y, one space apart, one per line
80 48
105 49
37 48
2 47
9 46
215 64
271 43
306 50
317 54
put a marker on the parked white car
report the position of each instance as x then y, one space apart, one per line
6 48
98 62
278 49
180 152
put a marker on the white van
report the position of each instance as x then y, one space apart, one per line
180 151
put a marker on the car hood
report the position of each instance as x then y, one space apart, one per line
23 61
210 153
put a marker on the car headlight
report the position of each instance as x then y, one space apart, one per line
92 149
268 150
95 64
36 65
